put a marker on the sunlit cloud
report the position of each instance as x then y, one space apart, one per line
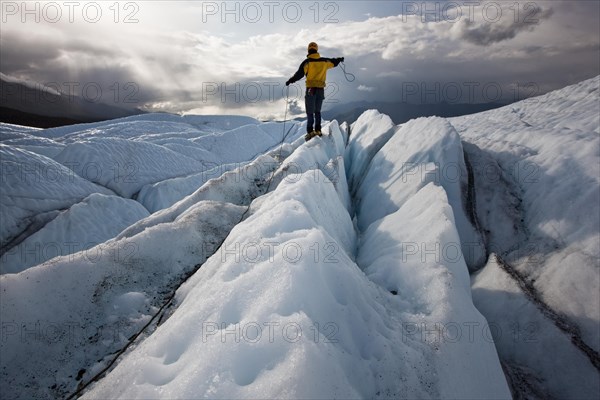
364 88
180 64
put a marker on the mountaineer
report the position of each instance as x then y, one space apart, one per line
315 69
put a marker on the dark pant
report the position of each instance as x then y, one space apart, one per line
313 102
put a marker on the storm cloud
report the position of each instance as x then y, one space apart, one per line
507 26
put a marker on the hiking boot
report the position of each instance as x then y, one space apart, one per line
310 135
318 133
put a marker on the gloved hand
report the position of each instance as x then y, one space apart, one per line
287 83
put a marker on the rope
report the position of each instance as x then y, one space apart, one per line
347 74
169 300
287 97
283 133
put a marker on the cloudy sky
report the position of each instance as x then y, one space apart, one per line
234 57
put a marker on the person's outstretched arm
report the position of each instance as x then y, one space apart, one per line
297 76
333 62
336 61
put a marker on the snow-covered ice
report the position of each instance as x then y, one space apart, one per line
94 220
441 258
32 186
539 164
421 151
282 310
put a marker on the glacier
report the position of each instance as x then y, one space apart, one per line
164 256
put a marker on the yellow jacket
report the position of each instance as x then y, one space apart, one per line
315 69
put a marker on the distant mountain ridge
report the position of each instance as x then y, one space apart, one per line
402 112
24 105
